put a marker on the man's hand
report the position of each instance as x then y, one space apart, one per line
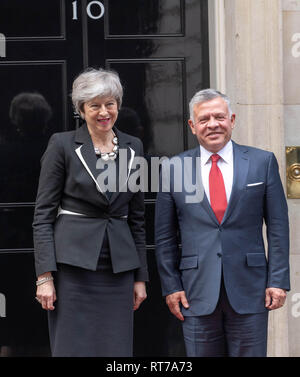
139 294
275 298
173 301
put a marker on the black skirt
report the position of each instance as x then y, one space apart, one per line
93 313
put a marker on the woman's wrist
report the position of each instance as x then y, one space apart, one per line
44 275
44 278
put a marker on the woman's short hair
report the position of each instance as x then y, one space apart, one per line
207 95
93 83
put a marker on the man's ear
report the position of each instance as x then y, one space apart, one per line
192 127
232 121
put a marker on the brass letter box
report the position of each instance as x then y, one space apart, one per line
293 172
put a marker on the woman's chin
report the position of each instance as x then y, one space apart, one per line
101 127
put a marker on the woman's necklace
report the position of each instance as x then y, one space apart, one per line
109 155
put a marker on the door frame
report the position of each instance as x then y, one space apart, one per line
217 44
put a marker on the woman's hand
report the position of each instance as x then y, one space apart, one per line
45 293
139 294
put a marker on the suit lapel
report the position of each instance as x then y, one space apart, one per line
204 203
240 171
88 158
126 157
86 154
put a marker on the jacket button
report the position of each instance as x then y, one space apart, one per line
219 255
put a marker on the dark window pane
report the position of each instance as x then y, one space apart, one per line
16 228
147 17
19 18
31 110
156 114
23 330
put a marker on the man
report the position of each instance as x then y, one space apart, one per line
220 284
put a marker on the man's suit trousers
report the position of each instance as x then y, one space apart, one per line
225 332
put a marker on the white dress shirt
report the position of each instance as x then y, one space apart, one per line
225 164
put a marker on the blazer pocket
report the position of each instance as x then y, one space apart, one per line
188 262
255 187
255 184
256 259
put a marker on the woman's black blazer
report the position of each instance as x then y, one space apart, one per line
68 180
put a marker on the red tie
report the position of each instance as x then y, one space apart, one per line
217 192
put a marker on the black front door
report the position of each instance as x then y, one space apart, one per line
160 50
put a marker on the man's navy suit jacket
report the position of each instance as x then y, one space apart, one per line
235 246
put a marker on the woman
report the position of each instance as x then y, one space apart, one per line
90 242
